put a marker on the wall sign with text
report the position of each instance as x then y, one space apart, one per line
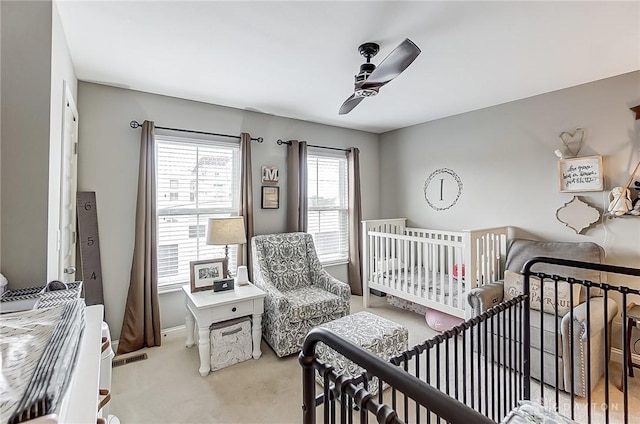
442 189
580 174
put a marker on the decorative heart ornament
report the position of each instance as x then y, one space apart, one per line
573 141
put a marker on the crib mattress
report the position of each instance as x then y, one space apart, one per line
408 284
417 287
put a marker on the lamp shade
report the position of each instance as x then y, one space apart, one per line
223 231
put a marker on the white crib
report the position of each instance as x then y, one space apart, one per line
433 268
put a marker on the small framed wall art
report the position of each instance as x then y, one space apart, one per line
580 174
205 273
270 174
270 197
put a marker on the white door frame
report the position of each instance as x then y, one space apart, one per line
67 235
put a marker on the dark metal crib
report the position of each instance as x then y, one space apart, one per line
475 372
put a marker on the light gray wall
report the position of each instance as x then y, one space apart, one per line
505 158
37 65
108 165
25 107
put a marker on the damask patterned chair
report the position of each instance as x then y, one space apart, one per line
300 293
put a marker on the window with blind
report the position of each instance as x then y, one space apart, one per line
195 180
328 207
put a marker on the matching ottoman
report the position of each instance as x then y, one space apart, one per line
377 335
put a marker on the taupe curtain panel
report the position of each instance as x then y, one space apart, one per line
297 186
141 323
355 218
246 201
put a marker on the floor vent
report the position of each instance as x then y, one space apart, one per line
134 358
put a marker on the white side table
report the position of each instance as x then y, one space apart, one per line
206 307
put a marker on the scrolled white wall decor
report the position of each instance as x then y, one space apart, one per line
577 215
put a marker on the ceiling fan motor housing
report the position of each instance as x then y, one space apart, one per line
365 70
368 50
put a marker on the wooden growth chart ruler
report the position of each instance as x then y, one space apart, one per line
89 247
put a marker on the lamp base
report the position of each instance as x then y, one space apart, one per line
226 258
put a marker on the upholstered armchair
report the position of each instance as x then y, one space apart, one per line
576 366
300 293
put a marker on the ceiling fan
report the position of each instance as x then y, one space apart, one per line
371 78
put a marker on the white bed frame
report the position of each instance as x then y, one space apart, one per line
417 264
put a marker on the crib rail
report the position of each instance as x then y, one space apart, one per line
433 268
429 381
487 253
587 339
479 370
423 269
479 362
353 398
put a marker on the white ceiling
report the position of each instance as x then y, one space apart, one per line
297 59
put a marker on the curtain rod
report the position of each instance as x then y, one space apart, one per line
136 124
280 143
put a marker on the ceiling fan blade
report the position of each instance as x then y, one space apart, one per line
349 104
393 65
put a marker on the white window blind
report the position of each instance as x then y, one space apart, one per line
328 208
195 180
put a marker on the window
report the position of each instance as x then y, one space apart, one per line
328 209
192 190
167 260
197 231
173 194
196 180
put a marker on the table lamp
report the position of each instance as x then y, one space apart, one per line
226 231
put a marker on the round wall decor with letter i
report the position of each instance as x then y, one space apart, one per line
442 189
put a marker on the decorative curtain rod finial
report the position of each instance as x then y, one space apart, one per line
134 124
280 142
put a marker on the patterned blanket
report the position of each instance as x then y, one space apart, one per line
38 353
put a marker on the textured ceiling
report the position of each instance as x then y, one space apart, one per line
297 59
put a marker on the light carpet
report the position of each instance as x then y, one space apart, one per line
167 388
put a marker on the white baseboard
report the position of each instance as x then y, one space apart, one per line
165 332
616 355
172 330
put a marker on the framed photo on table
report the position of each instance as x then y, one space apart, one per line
205 273
270 197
